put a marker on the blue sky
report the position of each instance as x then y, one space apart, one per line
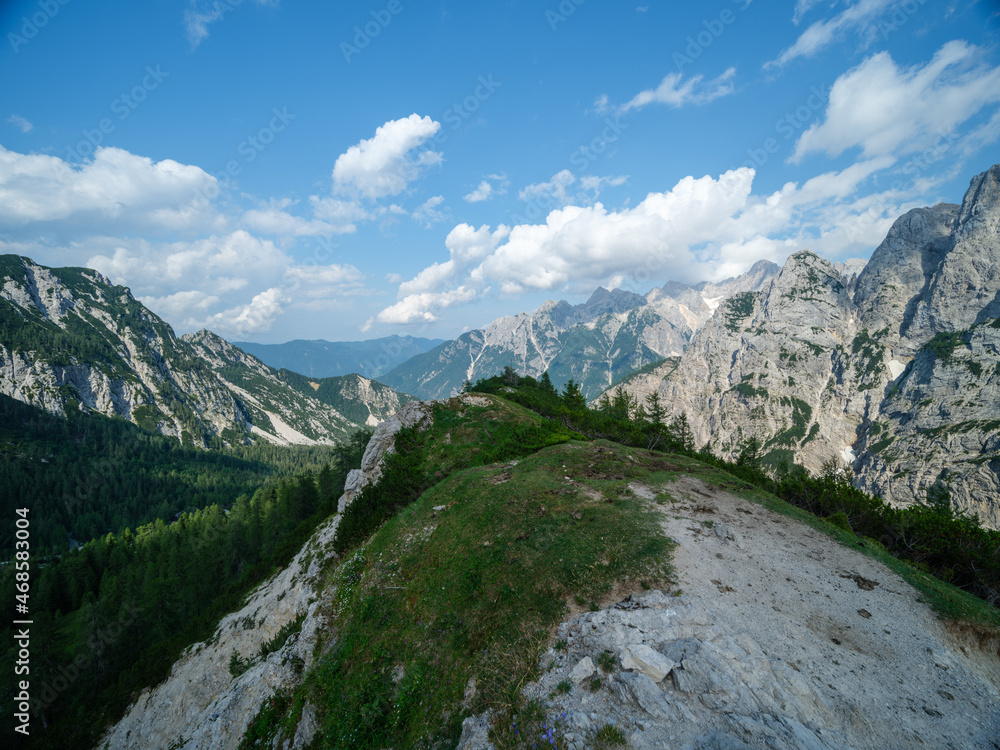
278 169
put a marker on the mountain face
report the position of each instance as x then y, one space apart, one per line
69 339
323 359
894 372
594 343
289 408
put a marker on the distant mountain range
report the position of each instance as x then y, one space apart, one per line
595 343
70 339
323 359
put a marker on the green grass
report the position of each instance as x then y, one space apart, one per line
475 590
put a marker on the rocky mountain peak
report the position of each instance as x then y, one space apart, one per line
980 211
901 270
966 287
614 301
808 278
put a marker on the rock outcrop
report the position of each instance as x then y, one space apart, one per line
202 705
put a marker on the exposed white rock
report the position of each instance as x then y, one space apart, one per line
641 658
201 706
777 644
896 368
584 669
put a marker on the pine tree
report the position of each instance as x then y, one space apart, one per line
681 431
573 397
655 409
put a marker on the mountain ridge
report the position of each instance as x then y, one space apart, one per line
593 343
70 339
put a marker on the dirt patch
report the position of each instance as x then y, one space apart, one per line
503 476
862 583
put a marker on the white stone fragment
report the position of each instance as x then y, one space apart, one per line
642 658
582 670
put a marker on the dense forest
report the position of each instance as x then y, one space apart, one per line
88 474
117 610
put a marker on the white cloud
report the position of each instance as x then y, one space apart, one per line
382 165
427 214
200 14
272 218
801 8
184 309
208 282
116 188
888 110
676 92
860 15
482 193
420 307
255 317
702 228
20 123
554 191
493 185
594 185
341 215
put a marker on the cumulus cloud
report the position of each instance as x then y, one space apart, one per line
383 165
188 282
552 191
257 316
561 189
482 193
20 123
116 188
861 16
886 109
272 218
702 228
420 307
674 91
185 309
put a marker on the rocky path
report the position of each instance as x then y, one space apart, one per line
780 638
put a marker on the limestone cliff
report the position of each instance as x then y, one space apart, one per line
892 372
